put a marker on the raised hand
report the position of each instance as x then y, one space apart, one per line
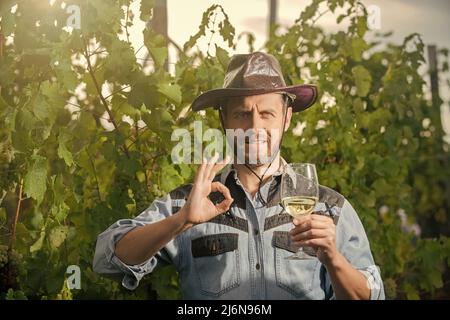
199 208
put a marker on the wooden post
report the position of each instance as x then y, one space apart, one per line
2 41
272 14
159 19
436 103
434 79
159 22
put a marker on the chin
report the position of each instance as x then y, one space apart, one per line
259 162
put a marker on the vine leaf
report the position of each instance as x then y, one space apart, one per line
363 80
35 183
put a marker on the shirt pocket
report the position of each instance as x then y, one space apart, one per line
298 277
216 260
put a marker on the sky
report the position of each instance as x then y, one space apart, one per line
429 18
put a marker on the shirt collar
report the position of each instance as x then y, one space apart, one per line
230 168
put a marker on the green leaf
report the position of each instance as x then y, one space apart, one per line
185 170
4 107
107 12
363 80
361 26
172 92
35 182
130 165
121 107
159 55
60 212
171 178
165 281
309 12
58 235
15 295
141 176
55 96
63 152
146 9
227 31
64 70
39 242
411 292
358 47
120 63
8 22
222 56
2 215
41 108
37 220
25 121
340 18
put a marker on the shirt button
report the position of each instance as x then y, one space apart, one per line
256 231
258 266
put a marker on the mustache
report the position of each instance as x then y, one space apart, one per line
260 135
249 141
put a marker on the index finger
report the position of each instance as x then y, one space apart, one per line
299 220
321 217
201 170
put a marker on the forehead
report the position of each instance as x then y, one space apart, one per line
262 101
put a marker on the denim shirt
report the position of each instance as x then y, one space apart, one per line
241 255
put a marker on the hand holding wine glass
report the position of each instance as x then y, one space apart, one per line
299 194
299 199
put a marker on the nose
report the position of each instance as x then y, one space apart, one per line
256 122
257 125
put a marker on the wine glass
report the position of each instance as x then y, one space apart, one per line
299 194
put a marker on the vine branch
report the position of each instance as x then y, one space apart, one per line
99 92
16 217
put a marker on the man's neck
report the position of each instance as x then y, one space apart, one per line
249 180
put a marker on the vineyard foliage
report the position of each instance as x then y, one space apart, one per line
85 137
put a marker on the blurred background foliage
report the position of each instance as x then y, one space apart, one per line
85 138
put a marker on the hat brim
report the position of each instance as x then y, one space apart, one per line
305 96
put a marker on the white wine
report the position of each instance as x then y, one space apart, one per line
299 205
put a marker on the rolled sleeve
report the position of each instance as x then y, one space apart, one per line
107 263
373 276
353 244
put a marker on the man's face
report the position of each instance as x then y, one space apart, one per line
262 115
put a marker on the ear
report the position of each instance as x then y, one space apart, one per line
288 119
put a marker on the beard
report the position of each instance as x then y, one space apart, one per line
258 149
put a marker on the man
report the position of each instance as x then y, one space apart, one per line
227 233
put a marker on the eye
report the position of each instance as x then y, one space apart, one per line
241 115
266 115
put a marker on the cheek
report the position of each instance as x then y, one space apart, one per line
227 124
274 124
273 136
